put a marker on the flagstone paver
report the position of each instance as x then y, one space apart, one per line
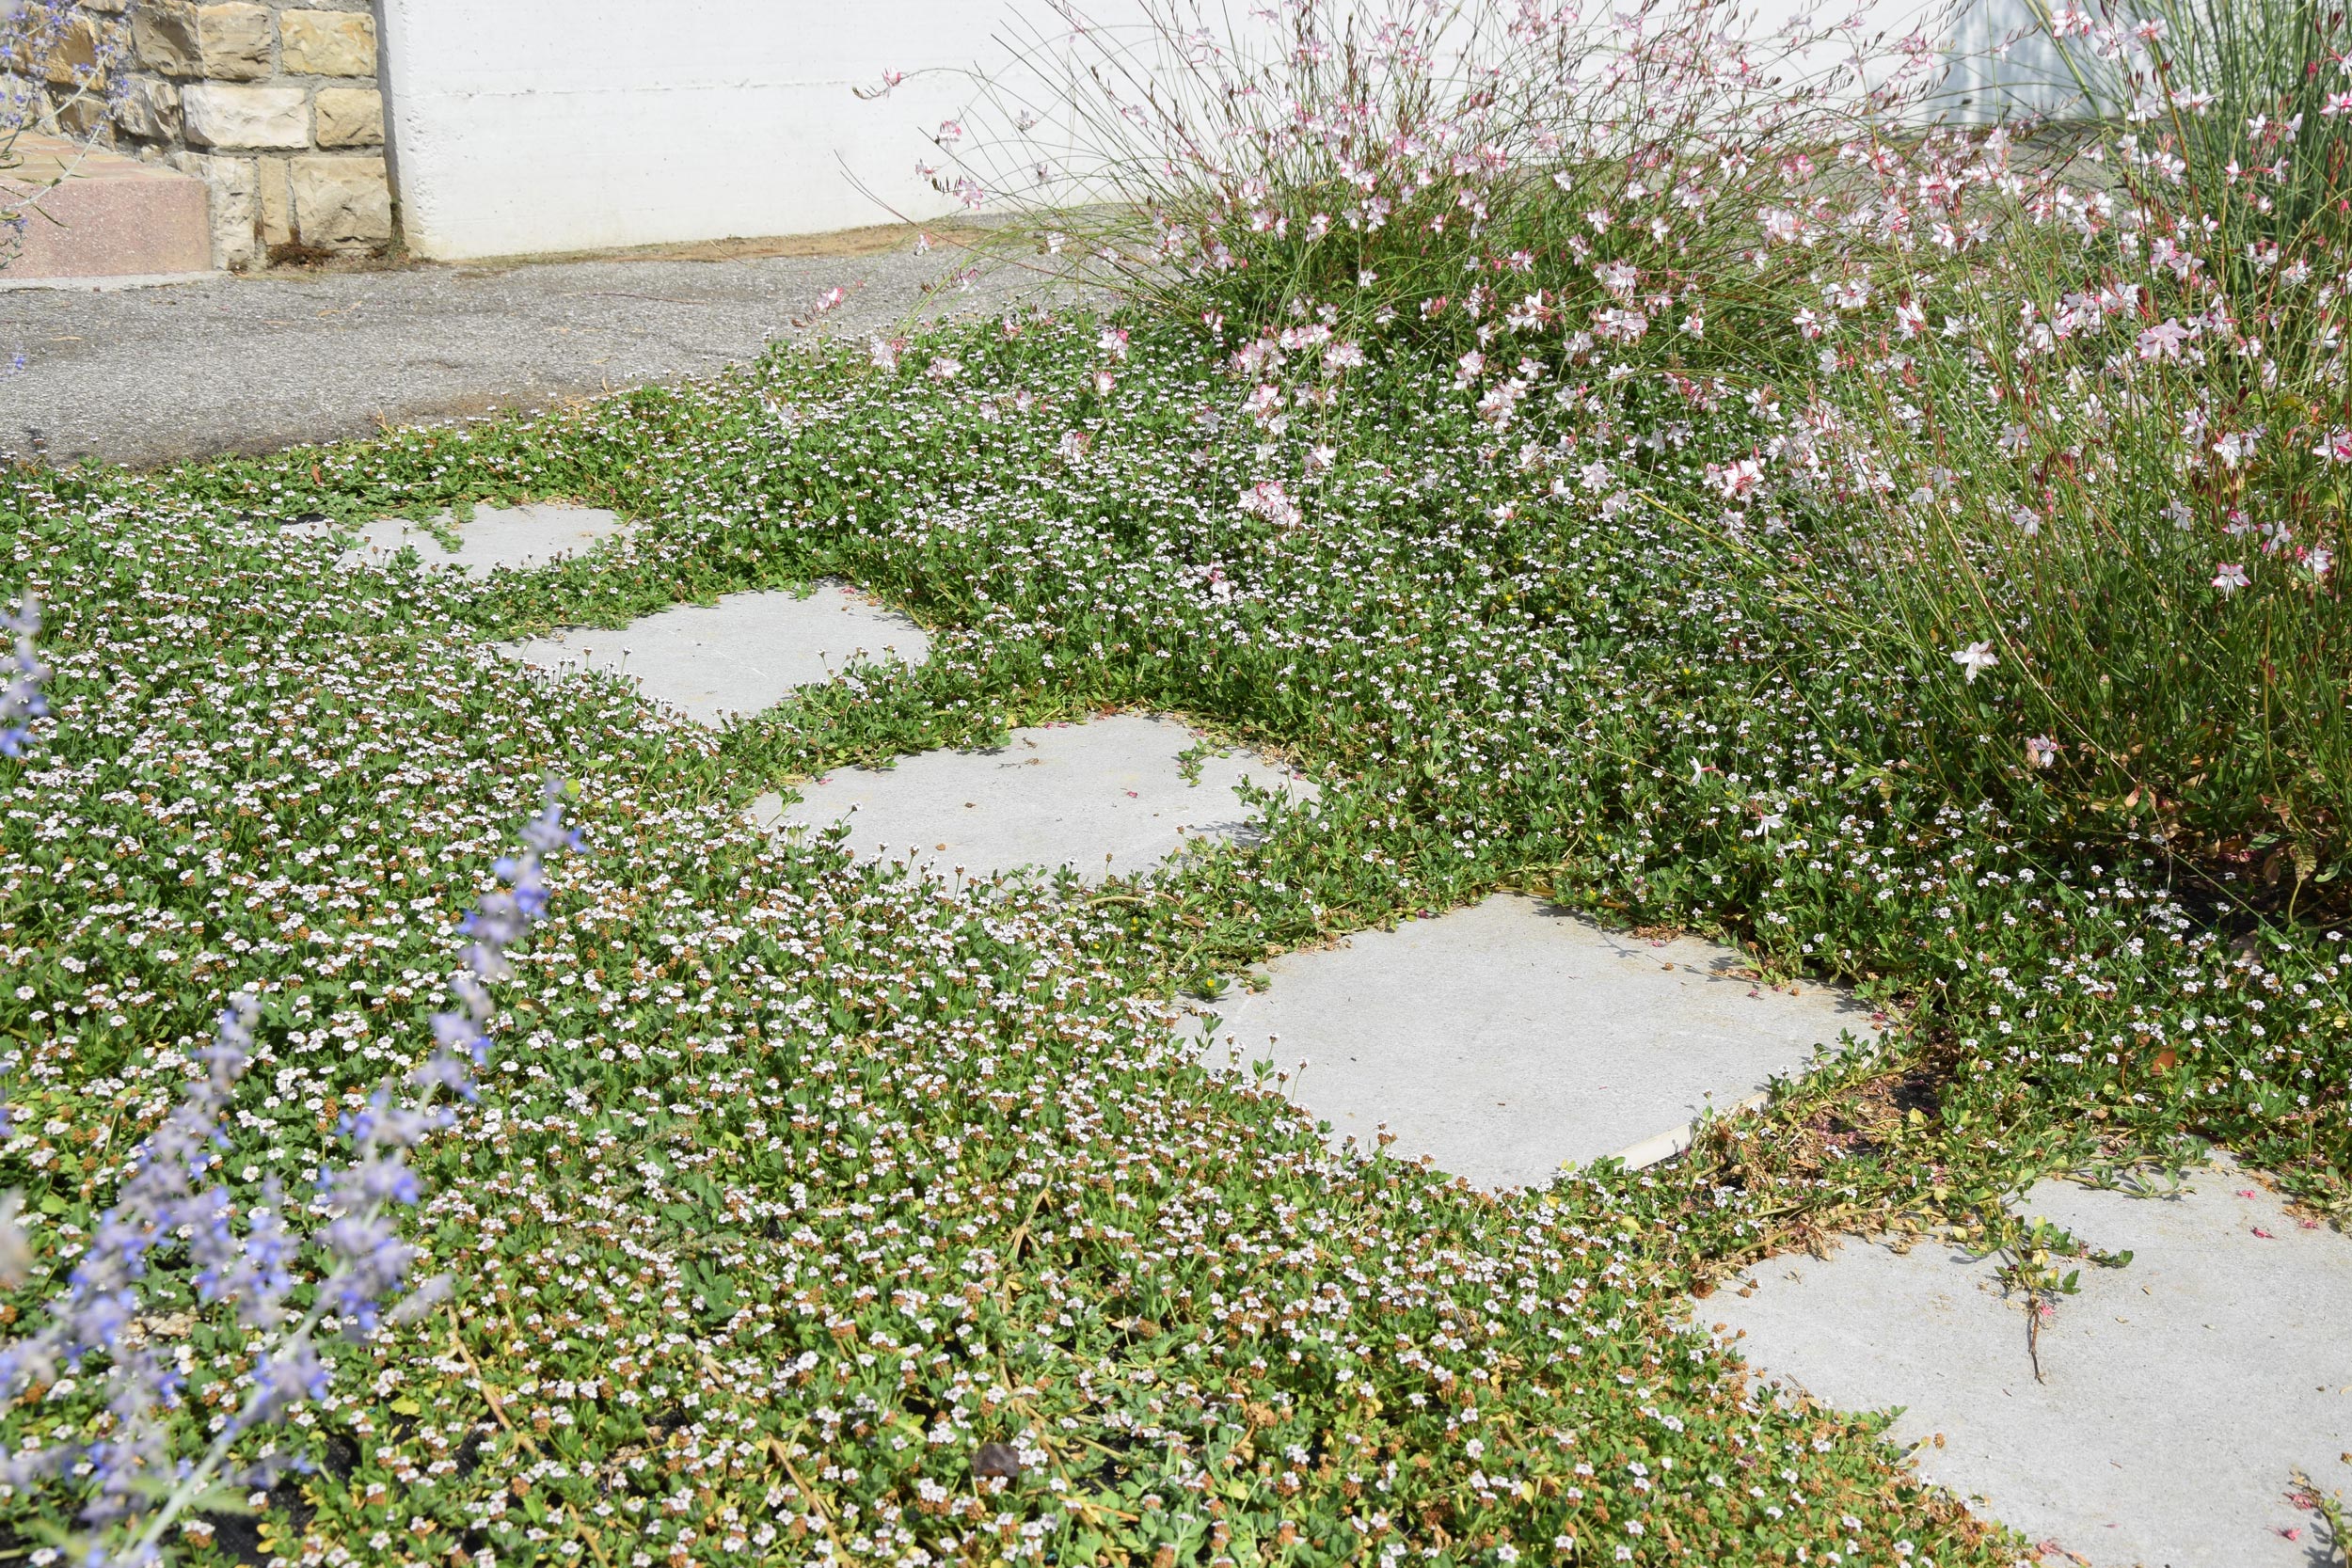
520 536
1509 1039
745 653
1107 796
2182 1389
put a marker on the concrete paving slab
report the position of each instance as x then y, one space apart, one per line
1107 796
2183 1389
521 536
1510 1038
745 653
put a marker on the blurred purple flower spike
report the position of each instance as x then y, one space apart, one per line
22 674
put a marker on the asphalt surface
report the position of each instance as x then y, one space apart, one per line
152 375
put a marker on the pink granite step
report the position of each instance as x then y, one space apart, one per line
97 216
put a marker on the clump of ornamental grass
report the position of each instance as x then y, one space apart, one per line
1427 169
2091 443
2058 405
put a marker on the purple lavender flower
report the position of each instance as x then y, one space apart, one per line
21 673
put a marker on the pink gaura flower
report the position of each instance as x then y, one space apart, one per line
1735 480
2163 341
2230 577
1268 499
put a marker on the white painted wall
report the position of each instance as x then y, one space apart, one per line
552 125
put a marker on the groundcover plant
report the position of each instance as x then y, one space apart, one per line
815 1210
795 1180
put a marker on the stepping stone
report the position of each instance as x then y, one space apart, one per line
1107 796
1507 1039
745 653
521 536
2183 1389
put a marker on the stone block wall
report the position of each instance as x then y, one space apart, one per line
276 104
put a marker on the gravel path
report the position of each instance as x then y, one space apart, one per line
148 376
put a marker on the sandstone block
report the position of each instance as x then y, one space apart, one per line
85 120
233 41
225 42
221 114
149 110
341 201
75 60
163 35
235 187
276 203
327 43
350 116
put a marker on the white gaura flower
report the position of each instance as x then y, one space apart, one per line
2230 577
1976 659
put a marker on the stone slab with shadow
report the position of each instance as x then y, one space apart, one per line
1510 1038
745 653
1109 796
